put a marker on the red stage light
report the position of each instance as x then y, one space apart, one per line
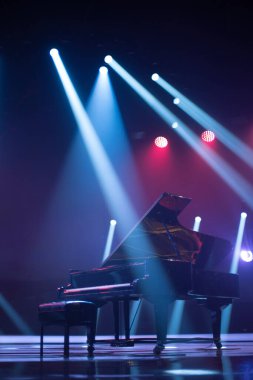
161 142
208 136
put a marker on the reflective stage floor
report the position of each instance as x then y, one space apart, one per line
185 357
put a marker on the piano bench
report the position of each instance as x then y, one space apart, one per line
67 314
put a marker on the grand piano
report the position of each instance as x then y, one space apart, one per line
160 261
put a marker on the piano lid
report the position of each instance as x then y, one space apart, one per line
159 234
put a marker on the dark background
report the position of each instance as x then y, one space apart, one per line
53 215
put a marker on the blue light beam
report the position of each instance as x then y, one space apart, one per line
178 308
238 244
176 317
109 239
110 185
14 316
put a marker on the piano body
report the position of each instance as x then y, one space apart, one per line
160 261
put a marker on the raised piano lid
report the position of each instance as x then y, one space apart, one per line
159 235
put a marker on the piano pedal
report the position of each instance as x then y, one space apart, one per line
122 343
90 349
217 343
158 348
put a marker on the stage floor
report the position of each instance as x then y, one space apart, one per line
185 357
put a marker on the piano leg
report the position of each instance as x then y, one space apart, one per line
216 327
161 309
116 311
215 306
91 334
66 341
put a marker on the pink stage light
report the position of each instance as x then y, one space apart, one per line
208 136
161 142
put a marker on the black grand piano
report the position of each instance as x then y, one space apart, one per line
160 261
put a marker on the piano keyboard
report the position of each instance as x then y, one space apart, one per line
98 289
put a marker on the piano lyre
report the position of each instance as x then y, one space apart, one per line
161 261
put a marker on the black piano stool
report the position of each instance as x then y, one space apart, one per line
67 314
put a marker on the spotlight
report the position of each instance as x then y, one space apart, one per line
176 101
161 142
244 215
197 222
108 59
54 52
109 239
175 124
155 77
103 70
207 136
246 256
